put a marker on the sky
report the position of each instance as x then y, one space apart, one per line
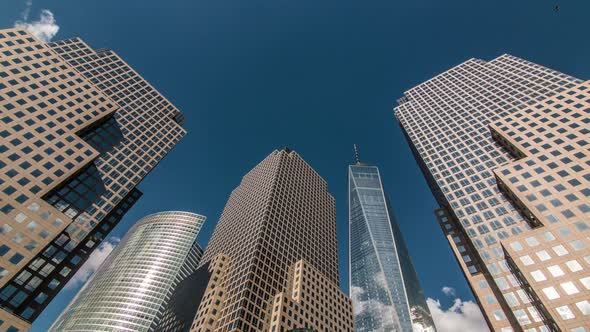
316 76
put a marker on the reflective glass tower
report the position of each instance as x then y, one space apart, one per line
384 286
132 287
79 130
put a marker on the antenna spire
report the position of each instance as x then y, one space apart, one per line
356 154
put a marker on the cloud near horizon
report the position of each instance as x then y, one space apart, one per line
96 258
44 29
460 317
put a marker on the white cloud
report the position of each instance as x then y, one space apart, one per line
27 11
460 317
45 28
359 306
93 262
380 311
449 291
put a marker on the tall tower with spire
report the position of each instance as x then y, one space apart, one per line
384 286
356 155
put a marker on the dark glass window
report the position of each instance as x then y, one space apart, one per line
78 193
104 135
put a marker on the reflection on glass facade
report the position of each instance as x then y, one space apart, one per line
384 287
132 287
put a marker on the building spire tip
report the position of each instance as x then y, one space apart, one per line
356 154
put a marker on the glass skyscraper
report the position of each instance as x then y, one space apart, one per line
132 287
384 286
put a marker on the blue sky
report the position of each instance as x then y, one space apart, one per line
315 75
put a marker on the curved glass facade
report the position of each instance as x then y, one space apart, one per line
130 289
384 288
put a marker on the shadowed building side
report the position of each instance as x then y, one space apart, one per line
187 295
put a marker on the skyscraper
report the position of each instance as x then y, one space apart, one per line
384 287
131 288
273 260
179 311
80 129
504 147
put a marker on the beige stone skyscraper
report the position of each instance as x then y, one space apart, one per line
273 260
505 148
79 130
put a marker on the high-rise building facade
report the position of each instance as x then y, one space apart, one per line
273 260
504 147
179 311
79 130
131 288
384 287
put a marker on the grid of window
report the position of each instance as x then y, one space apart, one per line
145 119
279 214
551 183
45 103
309 290
34 287
75 143
77 194
447 122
